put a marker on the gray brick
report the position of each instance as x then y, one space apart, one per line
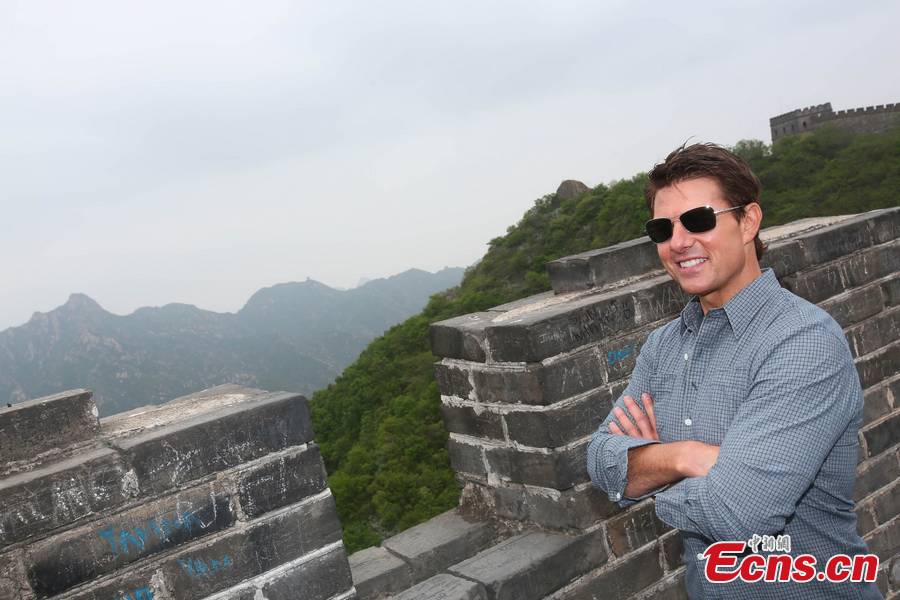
874 263
559 424
75 556
886 503
13 585
376 571
620 579
466 458
657 299
635 528
178 453
460 337
835 241
311 577
885 224
35 426
875 332
672 549
855 305
558 469
865 521
61 493
453 380
444 540
670 588
597 268
560 328
570 375
531 565
279 479
511 385
445 587
891 290
237 555
885 540
785 258
877 366
481 423
816 284
877 402
882 434
876 473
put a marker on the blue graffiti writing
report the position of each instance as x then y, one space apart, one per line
143 593
123 539
198 567
617 356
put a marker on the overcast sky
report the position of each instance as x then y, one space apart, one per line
156 152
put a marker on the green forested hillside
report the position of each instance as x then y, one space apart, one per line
379 424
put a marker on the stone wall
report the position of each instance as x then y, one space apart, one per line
221 494
524 385
870 119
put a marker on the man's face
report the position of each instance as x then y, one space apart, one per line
713 264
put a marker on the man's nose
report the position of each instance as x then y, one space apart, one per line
681 239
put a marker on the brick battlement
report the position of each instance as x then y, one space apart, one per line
869 119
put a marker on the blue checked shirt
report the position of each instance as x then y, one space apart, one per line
770 379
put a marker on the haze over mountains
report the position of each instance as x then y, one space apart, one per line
290 336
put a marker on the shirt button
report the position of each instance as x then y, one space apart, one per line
616 496
688 422
685 356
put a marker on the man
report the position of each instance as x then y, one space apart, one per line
741 415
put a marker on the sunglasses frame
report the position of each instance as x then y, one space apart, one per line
715 213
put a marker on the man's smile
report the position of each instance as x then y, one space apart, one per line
689 265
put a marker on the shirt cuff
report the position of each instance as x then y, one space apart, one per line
673 506
608 464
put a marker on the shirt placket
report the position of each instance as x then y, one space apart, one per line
688 382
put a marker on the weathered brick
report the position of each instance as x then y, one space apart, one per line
635 528
620 579
531 565
559 469
473 420
13 584
863 267
466 458
240 554
377 572
561 423
885 224
784 257
572 374
656 299
882 434
460 337
670 588
877 366
444 540
453 380
875 474
444 587
885 539
816 284
177 453
877 402
279 479
874 333
509 385
891 290
855 305
886 503
65 560
840 239
672 550
597 268
865 521
61 493
556 329
317 576
70 416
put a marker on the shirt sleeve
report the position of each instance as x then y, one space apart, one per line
803 397
607 454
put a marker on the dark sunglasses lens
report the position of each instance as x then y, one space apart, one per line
659 230
698 220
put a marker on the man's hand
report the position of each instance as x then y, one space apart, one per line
644 421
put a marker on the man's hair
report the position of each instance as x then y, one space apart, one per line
738 183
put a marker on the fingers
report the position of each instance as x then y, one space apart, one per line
647 401
645 429
624 422
615 428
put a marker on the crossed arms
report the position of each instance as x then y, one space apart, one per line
800 408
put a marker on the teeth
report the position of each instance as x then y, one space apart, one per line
691 263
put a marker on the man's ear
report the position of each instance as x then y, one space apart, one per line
751 221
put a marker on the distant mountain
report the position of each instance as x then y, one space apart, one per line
291 336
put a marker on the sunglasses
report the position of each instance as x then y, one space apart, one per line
696 220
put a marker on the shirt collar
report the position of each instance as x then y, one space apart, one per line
741 309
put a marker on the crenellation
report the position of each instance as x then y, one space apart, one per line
867 119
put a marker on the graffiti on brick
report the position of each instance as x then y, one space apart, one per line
204 567
143 593
613 357
124 540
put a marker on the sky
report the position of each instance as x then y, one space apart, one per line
195 152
